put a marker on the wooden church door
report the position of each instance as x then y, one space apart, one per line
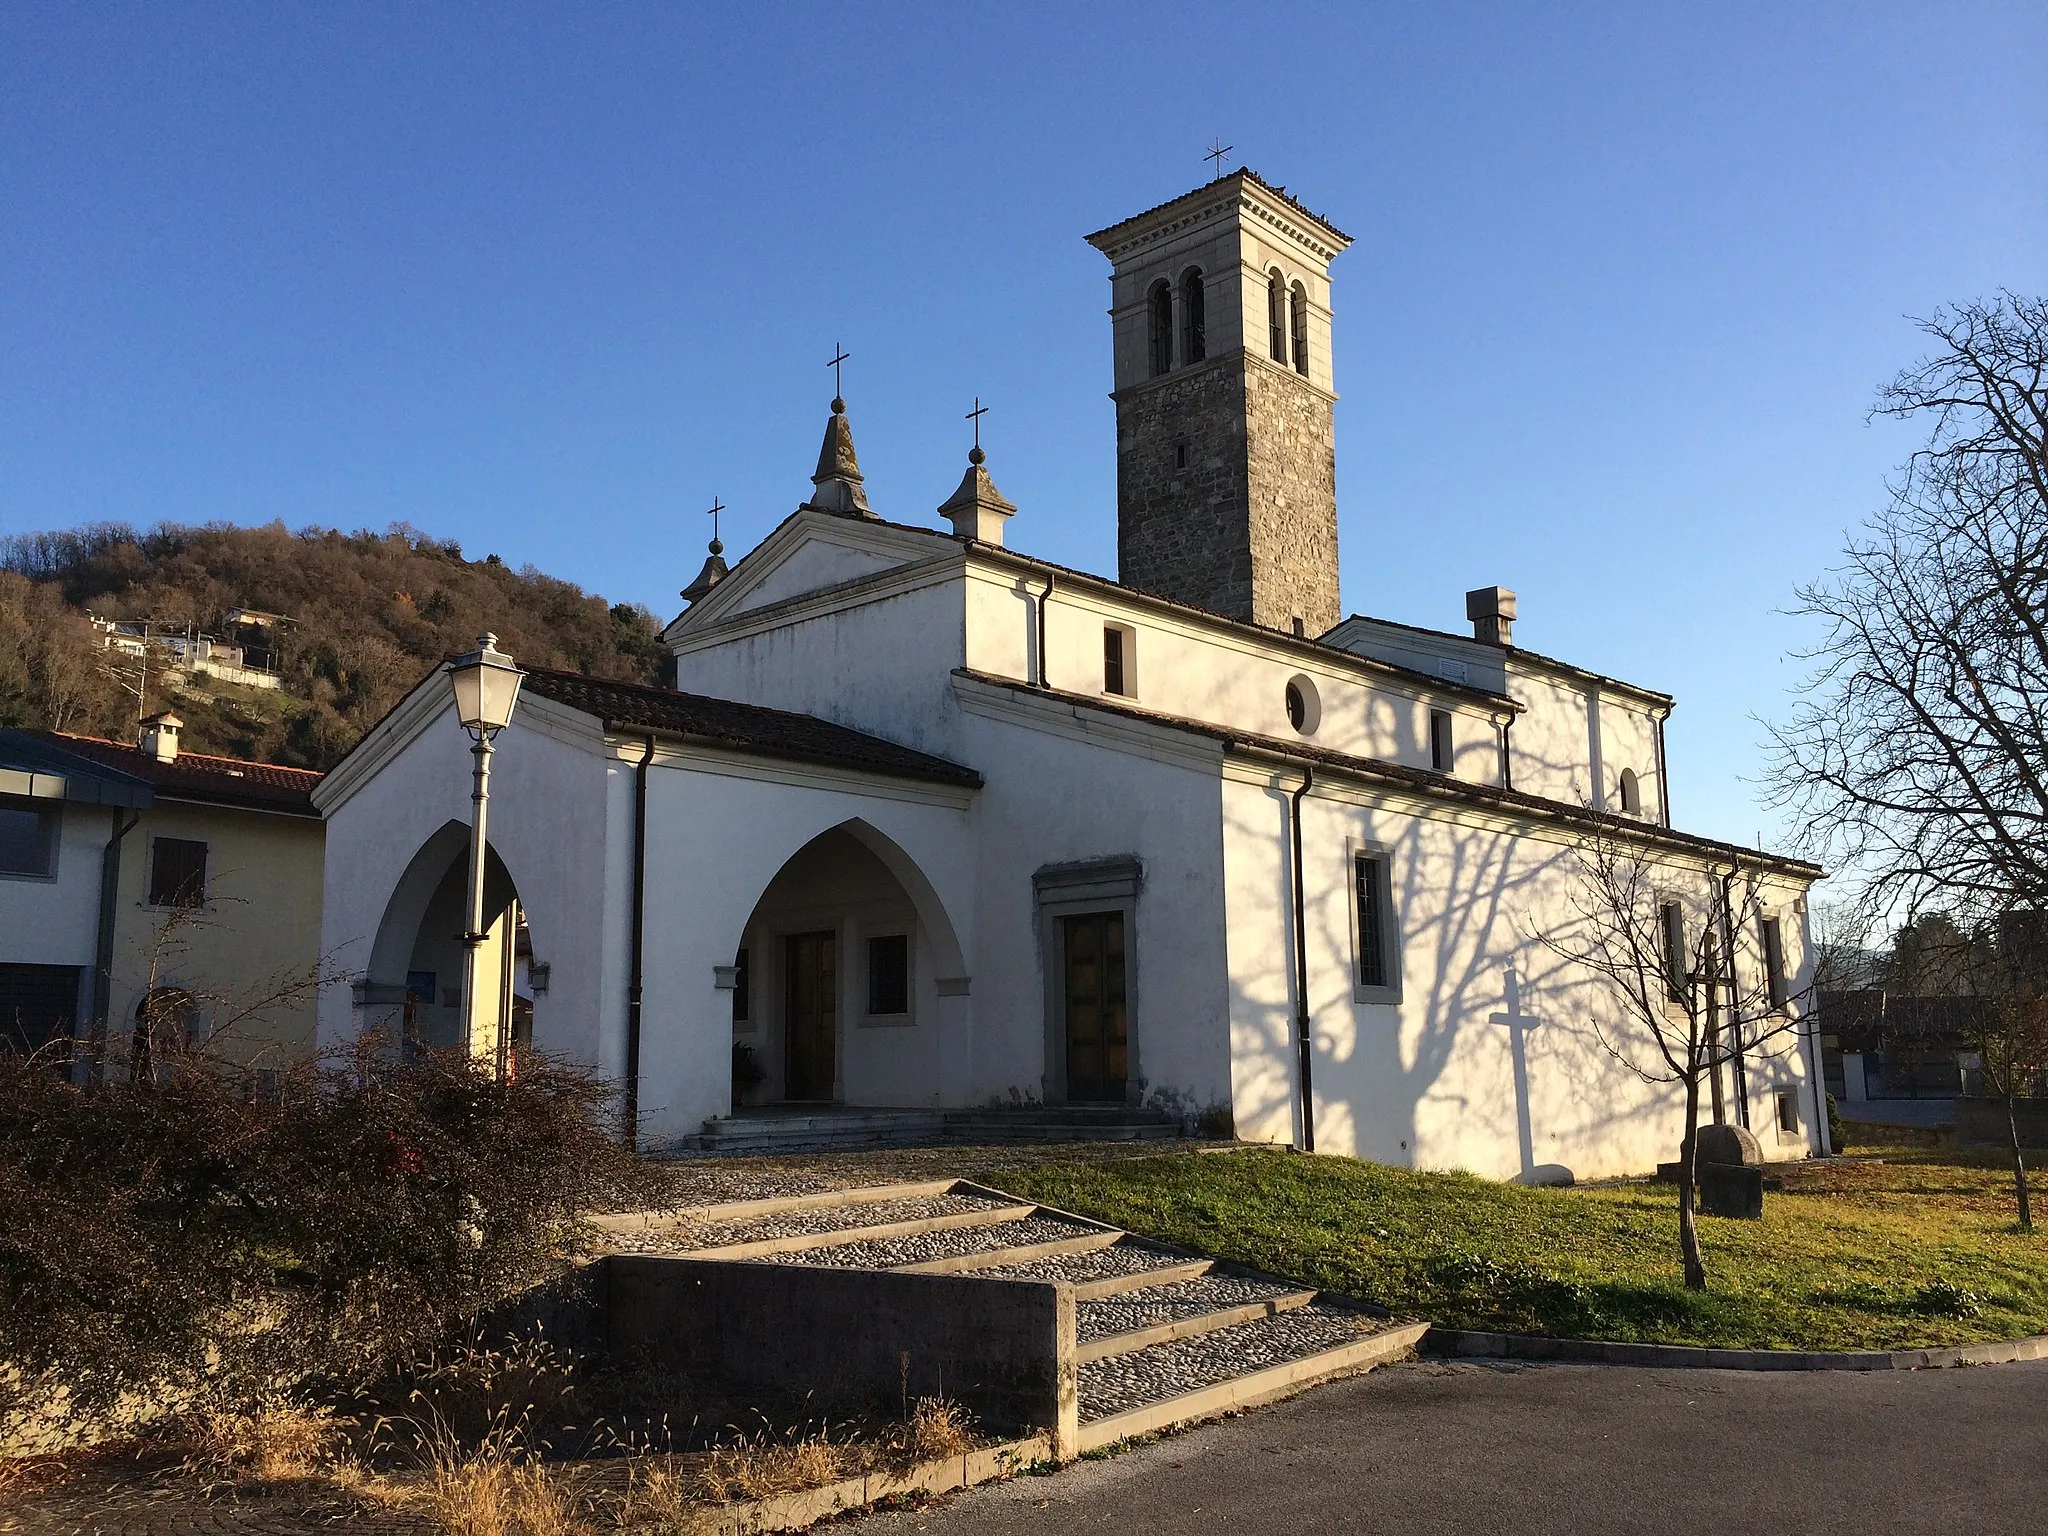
1096 1028
811 1017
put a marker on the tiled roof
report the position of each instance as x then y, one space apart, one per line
1249 175
195 776
1420 779
740 727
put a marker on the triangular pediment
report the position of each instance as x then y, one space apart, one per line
811 552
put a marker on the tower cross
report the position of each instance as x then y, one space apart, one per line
840 355
714 509
1217 150
975 416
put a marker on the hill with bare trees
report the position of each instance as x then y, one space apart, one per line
364 616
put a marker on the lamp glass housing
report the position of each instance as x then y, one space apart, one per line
486 684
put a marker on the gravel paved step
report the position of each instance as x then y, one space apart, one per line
923 1247
1181 1301
1122 1383
820 1223
1125 1263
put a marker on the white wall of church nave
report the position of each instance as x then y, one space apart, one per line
883 667
548 814
715 842
1229 681
1052 800
1574 738
1431 1080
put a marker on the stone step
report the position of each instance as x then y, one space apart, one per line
1253 1363
1028 1229
807 1238
1017 1253
1137 1319
822 1200
1125 1264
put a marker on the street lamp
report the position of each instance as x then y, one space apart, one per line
486 684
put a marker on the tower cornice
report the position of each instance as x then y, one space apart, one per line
1242 191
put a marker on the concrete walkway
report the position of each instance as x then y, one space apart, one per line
1581 1449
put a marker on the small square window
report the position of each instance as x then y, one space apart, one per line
1180 455
1788 1113
419 986
28 836
889 974
177 872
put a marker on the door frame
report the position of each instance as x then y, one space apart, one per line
1072 890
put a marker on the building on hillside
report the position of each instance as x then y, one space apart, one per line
183 648
926 822
144 882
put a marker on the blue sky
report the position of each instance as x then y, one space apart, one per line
547 279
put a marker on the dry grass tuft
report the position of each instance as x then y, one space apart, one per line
276 1443
754 1469
937 1428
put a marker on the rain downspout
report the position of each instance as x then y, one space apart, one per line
1043 598
1303 1029
103 945
1663 782
1734 994
638 945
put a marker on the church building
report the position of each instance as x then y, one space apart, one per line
926 823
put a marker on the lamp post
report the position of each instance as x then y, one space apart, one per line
486 684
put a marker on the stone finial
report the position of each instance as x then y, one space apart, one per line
1492 612
715 570
837 482
978 510
159 736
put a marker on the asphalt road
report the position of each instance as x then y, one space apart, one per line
1566 1448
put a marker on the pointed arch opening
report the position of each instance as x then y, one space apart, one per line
837 975
1298 319
1276 318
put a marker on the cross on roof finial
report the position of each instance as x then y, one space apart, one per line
714 509
1217 150
840 355
975 416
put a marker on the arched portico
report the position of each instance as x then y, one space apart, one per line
838 974
413 988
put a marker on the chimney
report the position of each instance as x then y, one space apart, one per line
160 736
1492 612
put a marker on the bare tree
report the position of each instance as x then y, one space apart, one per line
1667 944
1917 763
2005 971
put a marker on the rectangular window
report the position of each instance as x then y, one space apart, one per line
1774 963
1112 659
742 1002
419 986
177 872
1180 455
28 836
1440 740
1788 1113
1372 926
889 974
1677 972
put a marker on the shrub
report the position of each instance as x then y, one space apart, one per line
206 1230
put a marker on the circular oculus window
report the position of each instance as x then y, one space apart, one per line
1304 706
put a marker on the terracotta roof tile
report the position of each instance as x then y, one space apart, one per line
739 727
196 776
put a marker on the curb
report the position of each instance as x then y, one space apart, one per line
1461 1343
804 1508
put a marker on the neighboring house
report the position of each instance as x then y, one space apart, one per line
145 881
928 822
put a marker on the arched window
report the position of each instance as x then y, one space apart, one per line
1194 311
1276 319
1161 306
1299 305
1631 793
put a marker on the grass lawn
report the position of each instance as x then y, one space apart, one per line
1918 1249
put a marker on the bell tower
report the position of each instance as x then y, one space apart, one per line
1226 469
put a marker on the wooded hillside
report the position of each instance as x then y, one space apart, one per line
371 613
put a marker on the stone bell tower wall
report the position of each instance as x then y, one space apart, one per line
1226 463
